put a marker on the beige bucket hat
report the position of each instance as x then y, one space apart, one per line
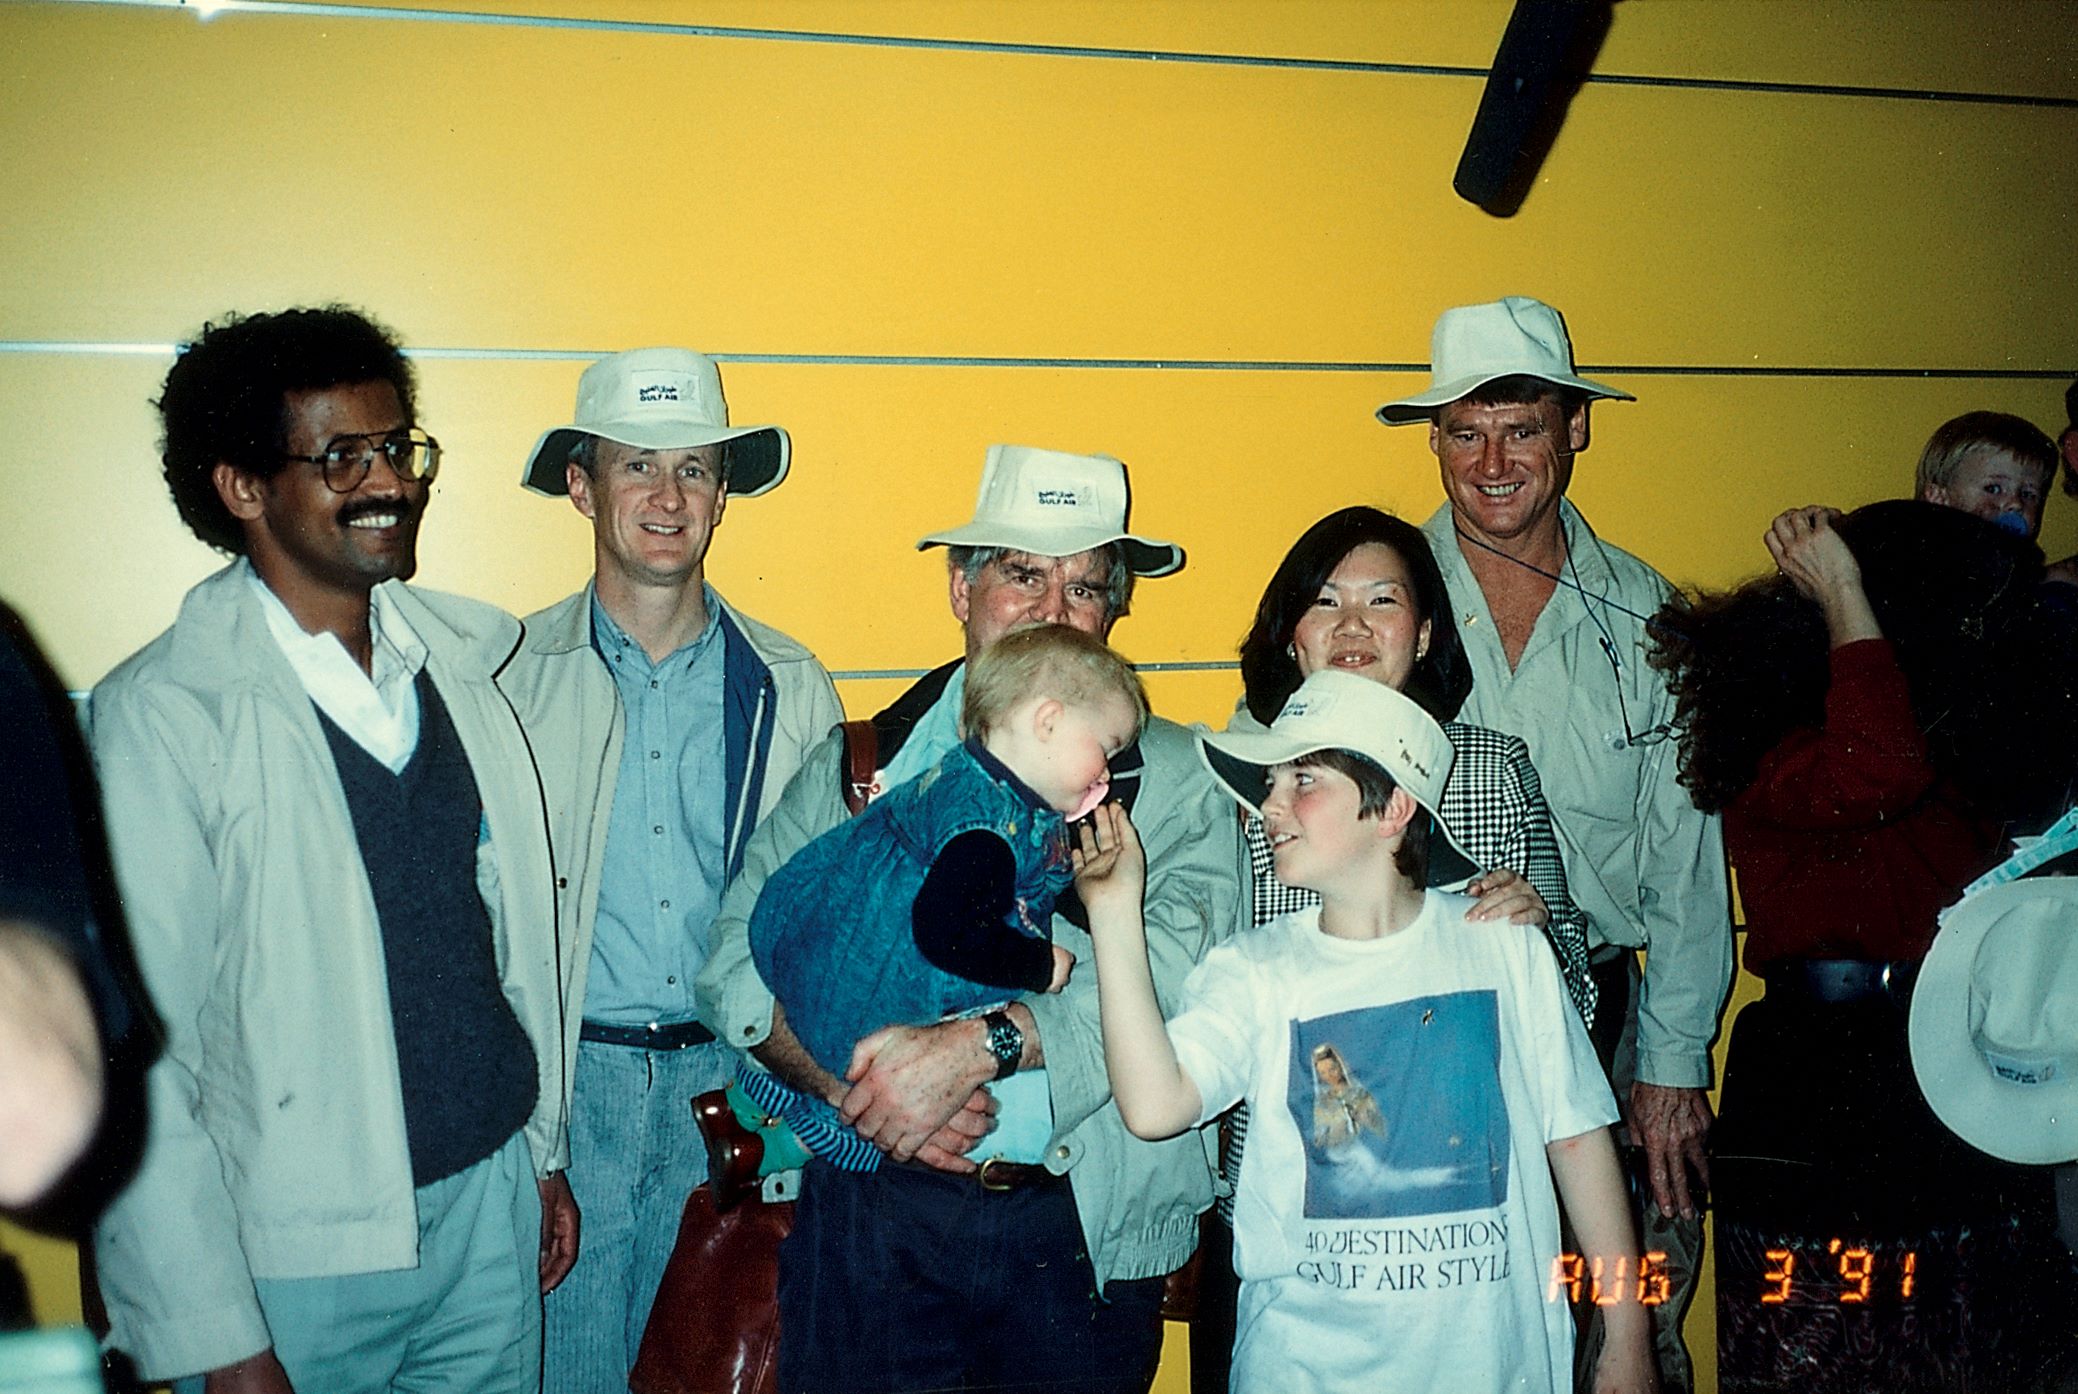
659 399
1340 711
1994 1021
1474 344
1055 505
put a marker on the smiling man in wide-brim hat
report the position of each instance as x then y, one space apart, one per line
666 722
1552 623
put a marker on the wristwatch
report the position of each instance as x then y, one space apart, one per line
1005 1041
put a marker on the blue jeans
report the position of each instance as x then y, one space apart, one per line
467 1320
907 1279
635 1155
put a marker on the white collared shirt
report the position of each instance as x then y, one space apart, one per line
379 708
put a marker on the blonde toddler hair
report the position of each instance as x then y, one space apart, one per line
1048 660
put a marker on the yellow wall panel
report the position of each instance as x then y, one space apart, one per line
491 188
815 199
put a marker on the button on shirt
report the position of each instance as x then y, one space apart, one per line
662 877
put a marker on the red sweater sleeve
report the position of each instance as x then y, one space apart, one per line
1864 766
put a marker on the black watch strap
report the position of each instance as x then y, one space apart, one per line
1005 1041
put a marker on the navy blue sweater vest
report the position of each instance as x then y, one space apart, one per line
467 1068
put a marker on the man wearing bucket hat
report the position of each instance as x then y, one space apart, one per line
1412 1038
665 722
1552 622
924 1254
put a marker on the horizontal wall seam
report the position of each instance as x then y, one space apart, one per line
1192 365
210 8
912 674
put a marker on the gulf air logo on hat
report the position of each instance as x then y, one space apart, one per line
2016 1069
1295 706
1413 761
1058 496
657 392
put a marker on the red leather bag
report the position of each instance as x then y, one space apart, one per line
715 1326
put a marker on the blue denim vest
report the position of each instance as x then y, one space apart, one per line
831 933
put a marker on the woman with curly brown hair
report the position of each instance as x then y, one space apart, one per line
1871 721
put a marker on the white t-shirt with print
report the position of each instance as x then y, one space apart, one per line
1395 1222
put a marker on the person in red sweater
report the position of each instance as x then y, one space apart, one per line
1870 720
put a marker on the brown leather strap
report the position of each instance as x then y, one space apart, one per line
861 763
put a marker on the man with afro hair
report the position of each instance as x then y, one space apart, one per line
328 832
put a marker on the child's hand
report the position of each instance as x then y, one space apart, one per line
1503 895
1063 962
1109 864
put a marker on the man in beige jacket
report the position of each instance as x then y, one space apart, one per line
329 837
666 722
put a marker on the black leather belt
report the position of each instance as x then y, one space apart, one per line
1840 981
657 1035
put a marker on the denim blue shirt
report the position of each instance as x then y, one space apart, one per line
663 874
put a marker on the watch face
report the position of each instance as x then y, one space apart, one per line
1005 1041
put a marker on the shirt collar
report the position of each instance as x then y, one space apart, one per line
1002 773
394 646
611 640
1584 575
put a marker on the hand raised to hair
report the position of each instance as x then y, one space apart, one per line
1816 559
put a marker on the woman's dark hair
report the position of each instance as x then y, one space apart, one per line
225 400
1441 679
1992 669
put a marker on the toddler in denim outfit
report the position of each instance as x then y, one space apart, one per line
938 899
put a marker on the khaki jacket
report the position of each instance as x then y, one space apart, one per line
276 1144
571 710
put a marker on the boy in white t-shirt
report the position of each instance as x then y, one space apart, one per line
1416 1081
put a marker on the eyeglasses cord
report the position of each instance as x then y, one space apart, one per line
1605 640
